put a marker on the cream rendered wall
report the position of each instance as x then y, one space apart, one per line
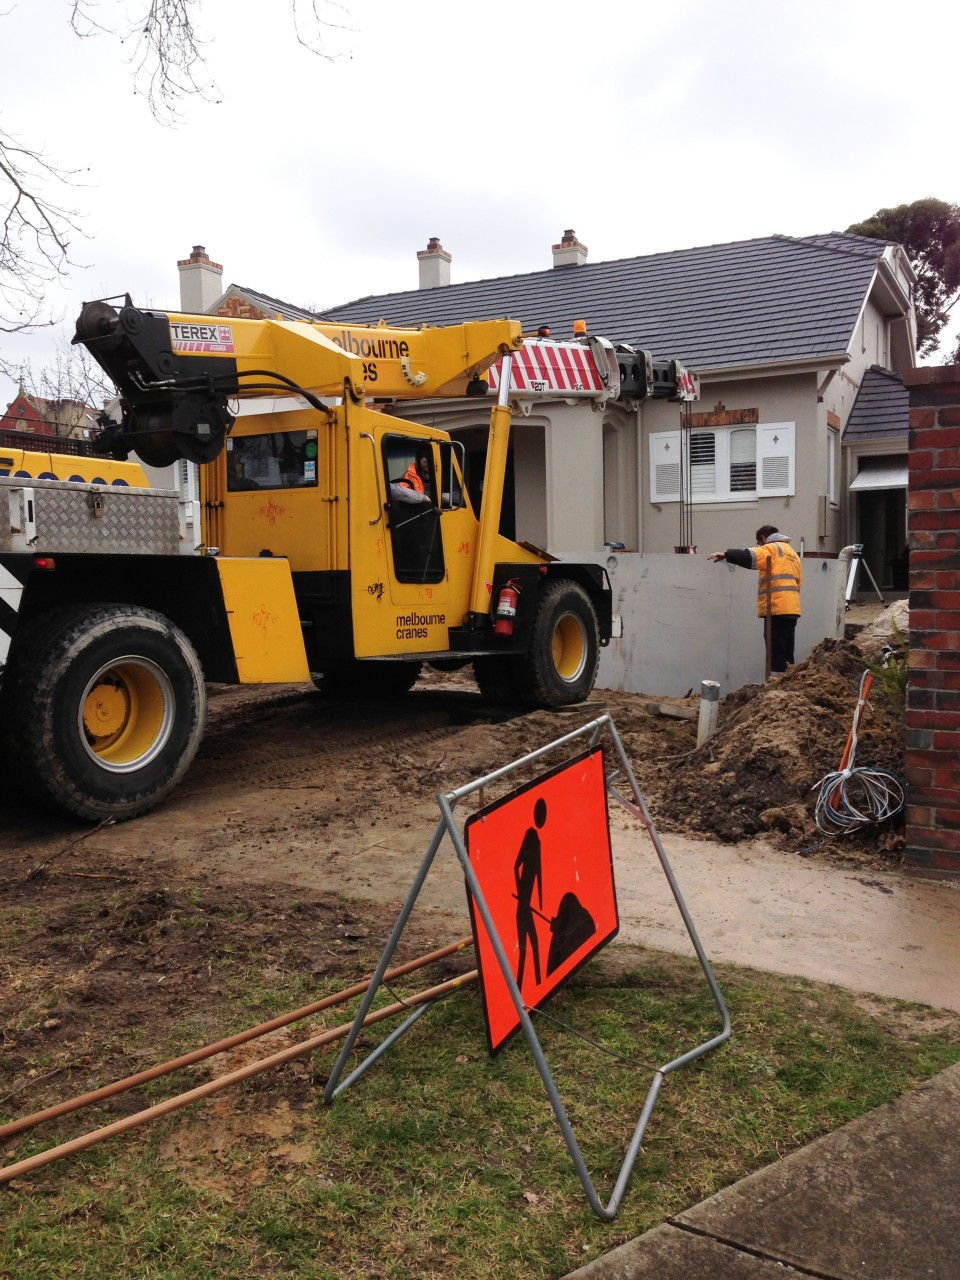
718 525
870 345
621 477
530 481
574 457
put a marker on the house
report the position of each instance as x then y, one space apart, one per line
38 415
24 414
798 342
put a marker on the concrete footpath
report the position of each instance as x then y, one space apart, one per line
878 1199
869 930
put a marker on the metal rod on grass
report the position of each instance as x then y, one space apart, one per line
221 1046
225 1082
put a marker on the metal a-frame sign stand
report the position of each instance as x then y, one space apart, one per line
634 803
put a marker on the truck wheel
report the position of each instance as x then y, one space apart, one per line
564 651
108 707
498 678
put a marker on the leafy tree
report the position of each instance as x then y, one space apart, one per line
168 65
929 231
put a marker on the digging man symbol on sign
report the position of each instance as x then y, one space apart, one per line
570 928
527 872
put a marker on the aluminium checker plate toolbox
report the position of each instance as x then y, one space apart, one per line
50 517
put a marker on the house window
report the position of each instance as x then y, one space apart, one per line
743 460
726 464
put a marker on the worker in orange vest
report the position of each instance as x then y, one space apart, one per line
411 477
411 487
778 589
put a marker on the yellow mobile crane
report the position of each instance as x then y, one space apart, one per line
338 544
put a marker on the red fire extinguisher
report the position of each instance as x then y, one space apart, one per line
506 611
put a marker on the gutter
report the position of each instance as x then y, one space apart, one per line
772 369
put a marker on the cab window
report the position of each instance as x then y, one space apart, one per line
277 460
410 466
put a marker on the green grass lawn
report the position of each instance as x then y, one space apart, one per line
441 1162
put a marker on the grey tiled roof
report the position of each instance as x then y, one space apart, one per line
751 302
881 409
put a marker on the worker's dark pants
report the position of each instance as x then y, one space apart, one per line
782 632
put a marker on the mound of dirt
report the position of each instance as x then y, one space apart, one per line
774 744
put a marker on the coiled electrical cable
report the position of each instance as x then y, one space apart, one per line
853 797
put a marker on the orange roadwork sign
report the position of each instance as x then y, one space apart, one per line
544 865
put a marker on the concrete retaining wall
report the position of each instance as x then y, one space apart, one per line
686 619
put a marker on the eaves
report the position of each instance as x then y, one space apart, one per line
865 447
775 368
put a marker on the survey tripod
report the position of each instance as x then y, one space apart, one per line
857 562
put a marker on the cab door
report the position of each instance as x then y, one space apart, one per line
410 540
413 513
276 492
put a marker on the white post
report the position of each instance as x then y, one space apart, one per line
709 705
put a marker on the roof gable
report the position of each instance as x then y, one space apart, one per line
238 296
24 414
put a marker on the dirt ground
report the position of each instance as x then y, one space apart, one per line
300 827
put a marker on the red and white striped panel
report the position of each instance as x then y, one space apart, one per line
544 368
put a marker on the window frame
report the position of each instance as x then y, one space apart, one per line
304 441
833 449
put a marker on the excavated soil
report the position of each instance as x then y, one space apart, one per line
296 834
777 741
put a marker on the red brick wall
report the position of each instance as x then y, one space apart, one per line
238 309
933 698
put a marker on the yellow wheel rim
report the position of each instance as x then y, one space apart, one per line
569 647
126 714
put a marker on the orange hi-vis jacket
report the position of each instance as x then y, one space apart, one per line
777 562
412 477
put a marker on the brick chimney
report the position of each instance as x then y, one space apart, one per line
569 252
201 282
434 265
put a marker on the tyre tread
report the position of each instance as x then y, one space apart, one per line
542 685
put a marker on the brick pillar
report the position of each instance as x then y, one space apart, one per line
933 699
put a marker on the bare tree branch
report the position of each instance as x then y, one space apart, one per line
169 66
65 388
312 22
74 376
167 58
34 234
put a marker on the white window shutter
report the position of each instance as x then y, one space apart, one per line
703 464
666 451
775 458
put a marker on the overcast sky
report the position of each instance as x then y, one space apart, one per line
491 126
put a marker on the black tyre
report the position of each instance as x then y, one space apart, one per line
560 665
372 679
499 678
106 706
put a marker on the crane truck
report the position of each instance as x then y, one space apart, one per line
315 560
